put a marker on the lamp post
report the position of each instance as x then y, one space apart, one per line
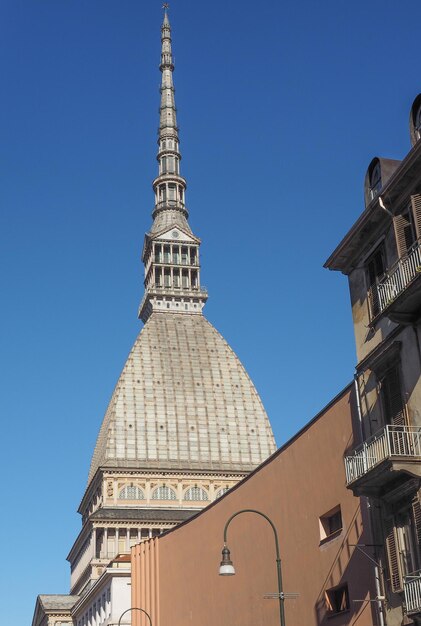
227 568
135 608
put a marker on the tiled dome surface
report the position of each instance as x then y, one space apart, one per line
183 401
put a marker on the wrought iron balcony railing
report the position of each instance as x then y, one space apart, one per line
396 280
390 442
412 590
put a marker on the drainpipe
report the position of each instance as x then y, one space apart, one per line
357 395
376 572
369 513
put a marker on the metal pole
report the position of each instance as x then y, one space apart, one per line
135 608
278 558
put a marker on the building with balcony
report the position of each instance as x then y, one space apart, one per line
381 255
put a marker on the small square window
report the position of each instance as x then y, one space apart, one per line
337 600
330 523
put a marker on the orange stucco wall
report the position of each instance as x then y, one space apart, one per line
175 576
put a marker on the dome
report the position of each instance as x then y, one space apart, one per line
170 219
183 401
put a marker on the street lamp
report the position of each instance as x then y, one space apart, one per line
226 567
134 608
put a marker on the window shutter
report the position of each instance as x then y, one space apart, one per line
403 233
416 509
416 209
394 409
395 572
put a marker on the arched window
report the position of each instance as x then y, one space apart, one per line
196 494
375 180
164 493
417 122
221 492
131 492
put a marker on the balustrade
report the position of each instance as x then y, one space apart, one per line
397 279
392 441
412 590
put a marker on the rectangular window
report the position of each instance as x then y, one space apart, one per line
375 268
337 600
403 534
392 549
194 282
171 192
416 213
330 523
391 395
163 193
404 232
176 278
122 541
111 543
185 279
158 282
99 548
133 536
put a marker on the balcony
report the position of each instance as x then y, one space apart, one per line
412 590
180 290
167 260
170 204
398 292
392 450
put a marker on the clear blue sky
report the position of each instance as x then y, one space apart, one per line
281 106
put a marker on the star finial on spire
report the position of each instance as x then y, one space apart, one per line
165 6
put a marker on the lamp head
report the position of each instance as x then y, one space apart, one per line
226 567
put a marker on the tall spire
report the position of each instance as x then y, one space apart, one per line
166 195
171 251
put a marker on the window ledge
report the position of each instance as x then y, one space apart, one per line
331 537
332 615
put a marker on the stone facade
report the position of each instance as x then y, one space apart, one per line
54 610
381 255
